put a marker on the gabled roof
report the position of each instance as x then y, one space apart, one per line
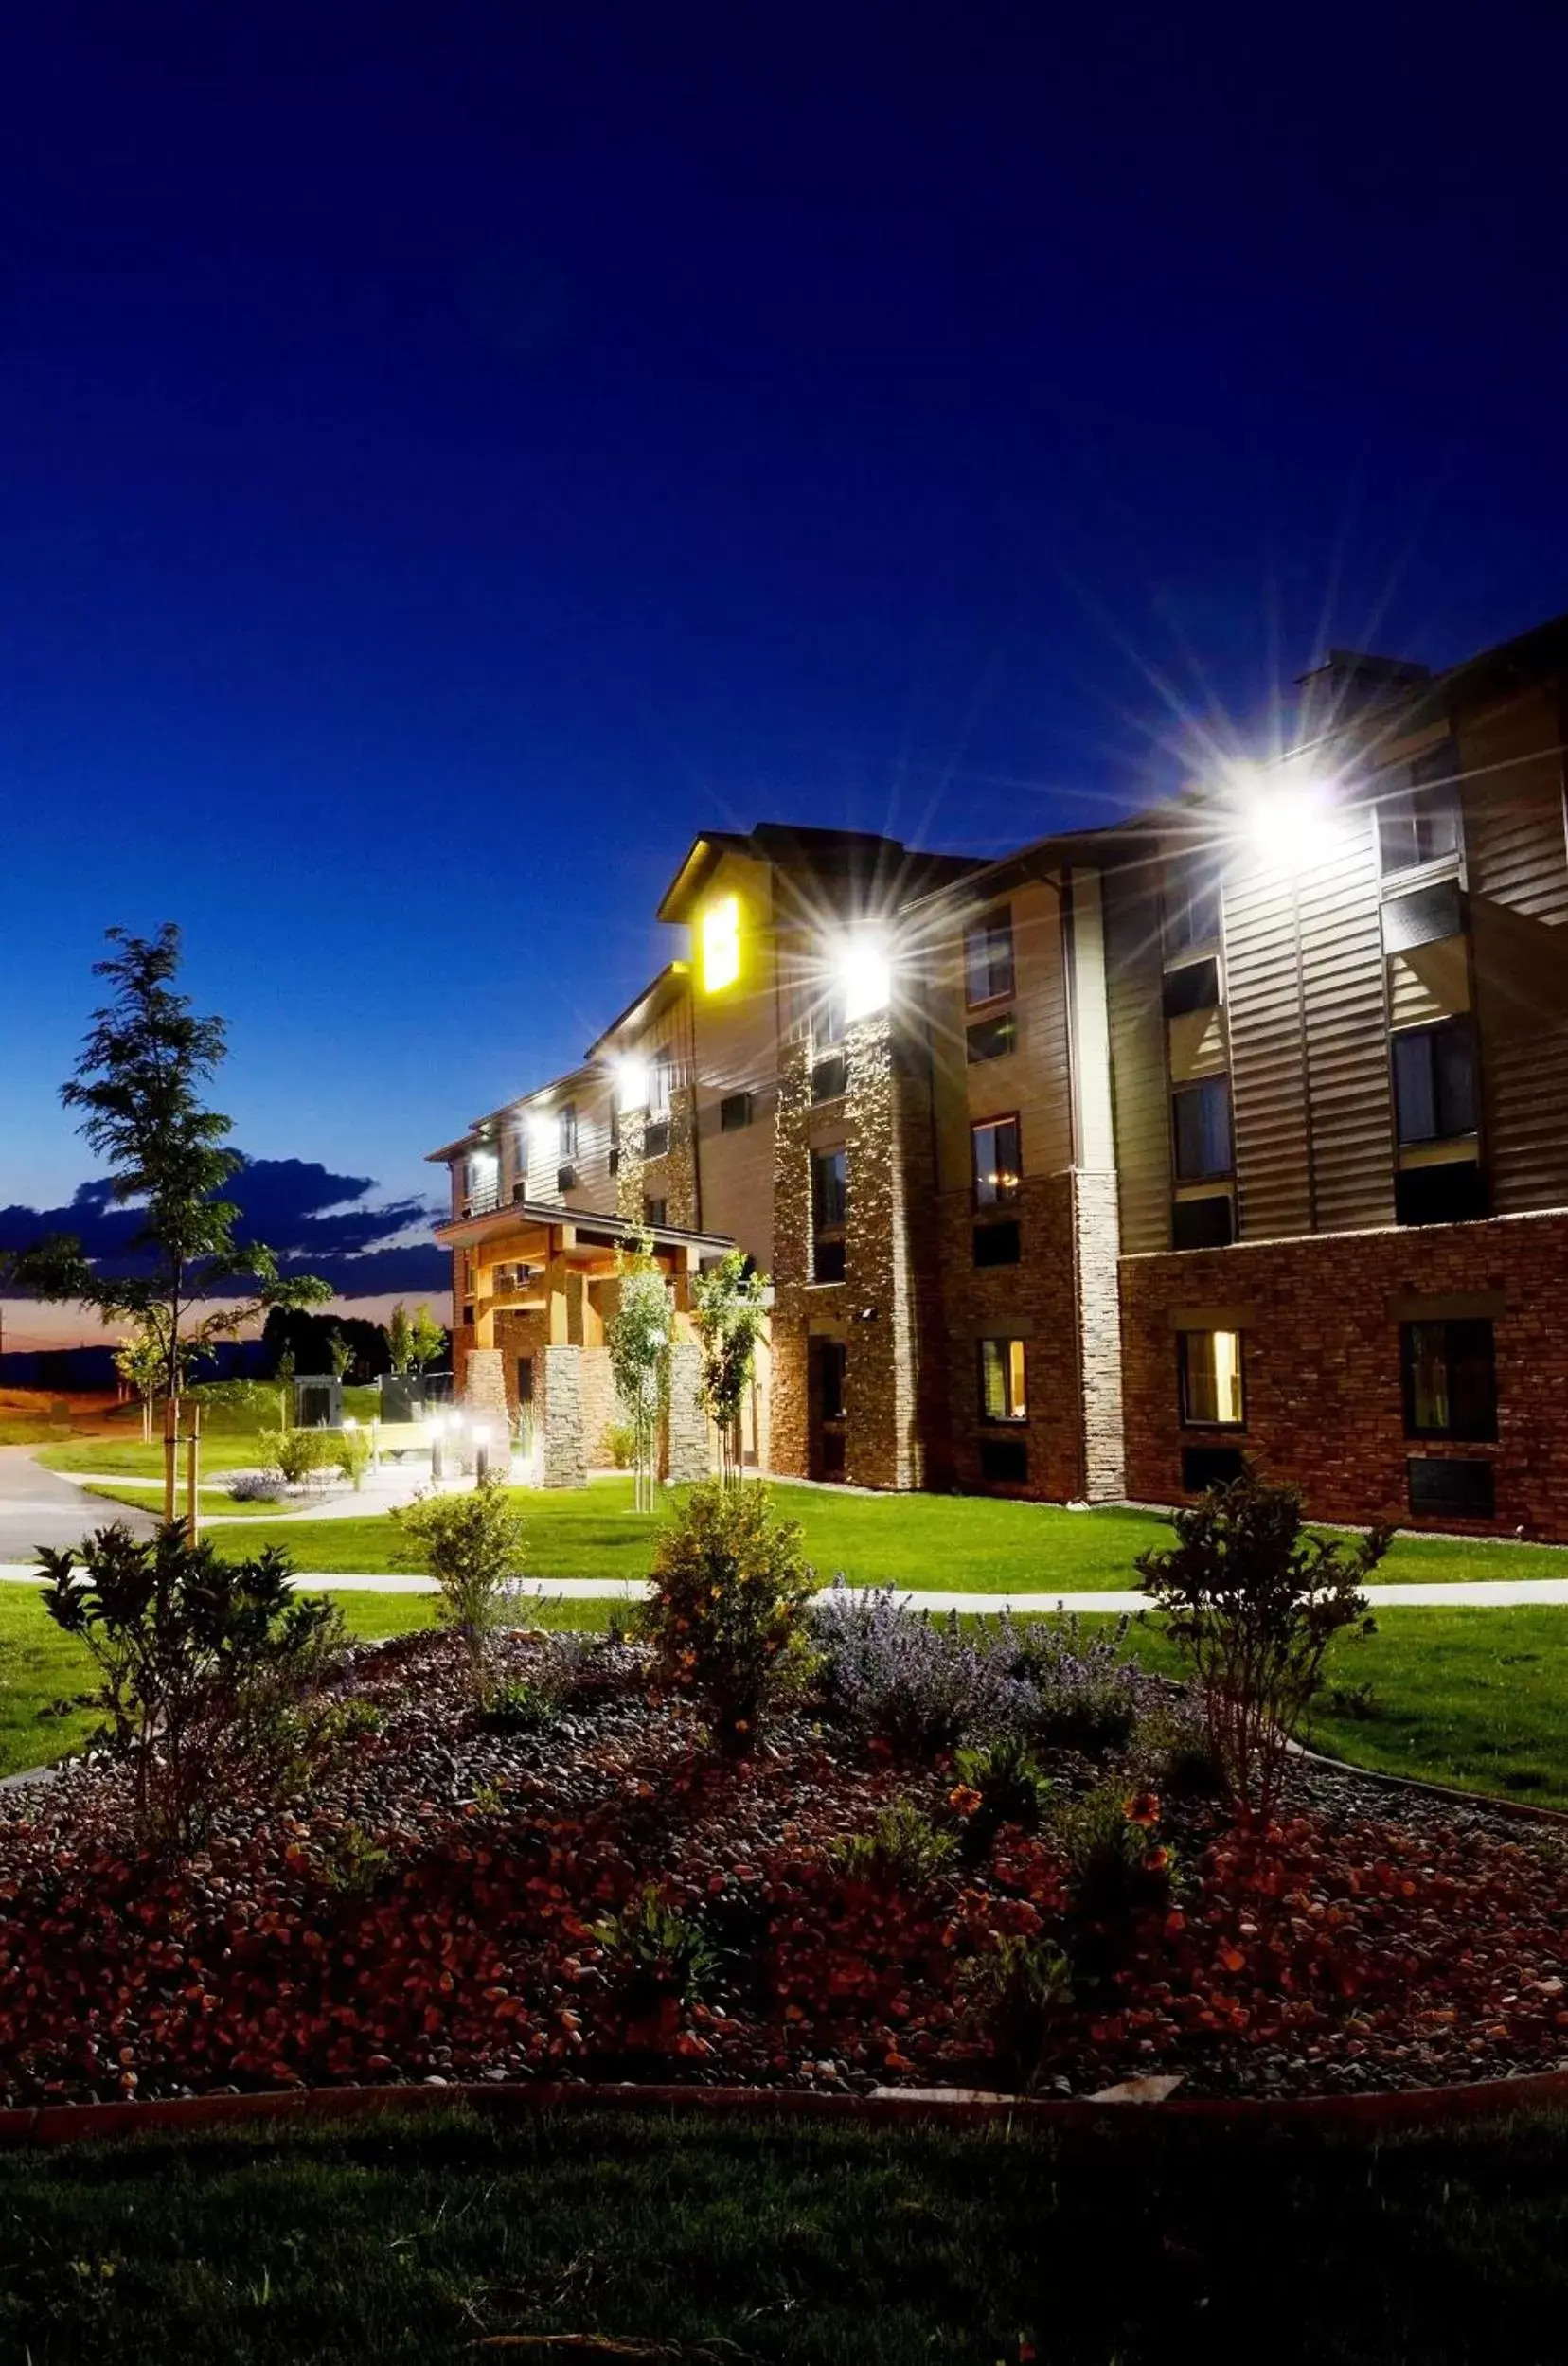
850 866
654 998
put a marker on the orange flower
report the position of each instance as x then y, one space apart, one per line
965 1800
1143 1808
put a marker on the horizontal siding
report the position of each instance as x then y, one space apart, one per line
1348 1077
1517 862
1138 1090
1267 1056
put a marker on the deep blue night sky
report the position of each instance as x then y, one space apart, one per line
445 463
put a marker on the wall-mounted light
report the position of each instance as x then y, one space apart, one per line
864 974
543 1127
1287 815
631 1075
720 934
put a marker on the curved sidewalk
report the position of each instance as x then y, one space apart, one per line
1499 1593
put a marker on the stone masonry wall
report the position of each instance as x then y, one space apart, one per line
686 1451
884 1448
485 1387
1320 1363
563 1461
1096 1237
792 1297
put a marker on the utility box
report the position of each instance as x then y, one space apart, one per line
317 1402
401 1397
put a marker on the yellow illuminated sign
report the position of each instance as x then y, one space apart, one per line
721 944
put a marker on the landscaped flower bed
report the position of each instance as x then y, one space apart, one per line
604 1897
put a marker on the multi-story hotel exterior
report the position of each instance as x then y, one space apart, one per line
1238 1129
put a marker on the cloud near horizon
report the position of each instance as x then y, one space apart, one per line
314 1223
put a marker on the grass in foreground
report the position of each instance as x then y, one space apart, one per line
767 2241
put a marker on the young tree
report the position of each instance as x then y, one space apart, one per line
427 1339
639 1337
138 1359
340 1352
137 1087
400 1340
729 1312
1253 1599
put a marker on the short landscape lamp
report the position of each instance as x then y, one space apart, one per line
481 1454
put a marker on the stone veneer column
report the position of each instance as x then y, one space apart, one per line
629 1128
485 1387
563 1461
1096 1243
884 1448
687 1455
788 1410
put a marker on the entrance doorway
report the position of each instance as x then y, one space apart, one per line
826 1371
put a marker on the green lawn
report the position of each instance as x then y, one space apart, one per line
977 1544
129 1458
766 2242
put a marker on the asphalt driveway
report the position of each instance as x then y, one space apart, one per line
38 1507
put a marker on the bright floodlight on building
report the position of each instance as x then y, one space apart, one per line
1286 815
630 1081
864 974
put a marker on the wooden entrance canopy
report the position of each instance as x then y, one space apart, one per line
525 1254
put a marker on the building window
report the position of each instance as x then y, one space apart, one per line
827 1020
1201 1121
1003 1390
1189 904
568 1132
661 1083
1450 1379
1420 823
988 958
830 1077
1435 1082
735 1113
832 1368
1193 987
829 1206
992 1039
1210 1366
653 1211
721 944
996 1159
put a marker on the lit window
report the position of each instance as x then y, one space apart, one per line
1004 1392
988 958
1201 1121
568 1123
721 944
1211 1379
1450 1379
997 1163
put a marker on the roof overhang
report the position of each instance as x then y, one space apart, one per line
667 988
582 1236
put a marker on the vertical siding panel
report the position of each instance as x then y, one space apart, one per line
1517 862
1138 1091
1352 1115
1267 1056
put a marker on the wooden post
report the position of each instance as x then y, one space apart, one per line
172 1436
193 1473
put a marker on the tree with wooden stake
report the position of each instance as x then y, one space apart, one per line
138 1362
137 1087
639 1337
728 1309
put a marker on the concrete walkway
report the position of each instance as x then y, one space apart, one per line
1501 1593
39 1506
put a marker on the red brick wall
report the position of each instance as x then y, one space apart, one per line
1321 1364
1037 1296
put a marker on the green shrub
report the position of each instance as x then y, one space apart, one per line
299 1455
207 1667
351 1455
1019 1995
1116 1865
471 1545
729 1599
619 1444
655 1952
902 1850
1252 1600
523 1704
1001 1783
